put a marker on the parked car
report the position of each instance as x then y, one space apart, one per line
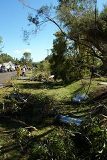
3 69
12 68
7 67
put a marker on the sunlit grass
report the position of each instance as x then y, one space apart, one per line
60 93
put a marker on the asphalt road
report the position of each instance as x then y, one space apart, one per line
6 76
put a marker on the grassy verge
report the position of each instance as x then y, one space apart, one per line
55 94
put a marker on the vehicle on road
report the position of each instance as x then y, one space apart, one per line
3 69
7 67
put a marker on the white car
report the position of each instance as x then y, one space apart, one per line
12 68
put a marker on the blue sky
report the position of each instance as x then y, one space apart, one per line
13 19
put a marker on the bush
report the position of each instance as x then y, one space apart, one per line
98 137
56 146
39 152
34 109
41 104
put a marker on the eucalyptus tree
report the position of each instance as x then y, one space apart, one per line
58 56
86 26
79 21
26 59
27 56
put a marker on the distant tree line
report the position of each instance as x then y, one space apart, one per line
25 60
4 57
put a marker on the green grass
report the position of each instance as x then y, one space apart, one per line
60 93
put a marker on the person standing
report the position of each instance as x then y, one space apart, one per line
23 71
18 69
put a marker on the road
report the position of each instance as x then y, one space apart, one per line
6 76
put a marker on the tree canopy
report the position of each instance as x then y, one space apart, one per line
85 25
26 59
80 21
4 57
58 55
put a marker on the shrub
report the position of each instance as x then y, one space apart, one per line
39 152
41 104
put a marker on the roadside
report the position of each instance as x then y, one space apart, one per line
6 76
42 102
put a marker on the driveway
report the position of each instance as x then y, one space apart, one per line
6 76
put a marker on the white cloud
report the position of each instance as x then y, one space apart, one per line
17 51
21 51
26 50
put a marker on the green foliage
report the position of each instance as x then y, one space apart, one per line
56 146
33 110
52 147
27 56
58 56
11 106
60 144
81 23
42 70
86 27
39 151
97 135
26 59
21 134
42 105
67 63
4 57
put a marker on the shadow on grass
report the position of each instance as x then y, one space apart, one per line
43 85
70 102
8 148
22 149
34 112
